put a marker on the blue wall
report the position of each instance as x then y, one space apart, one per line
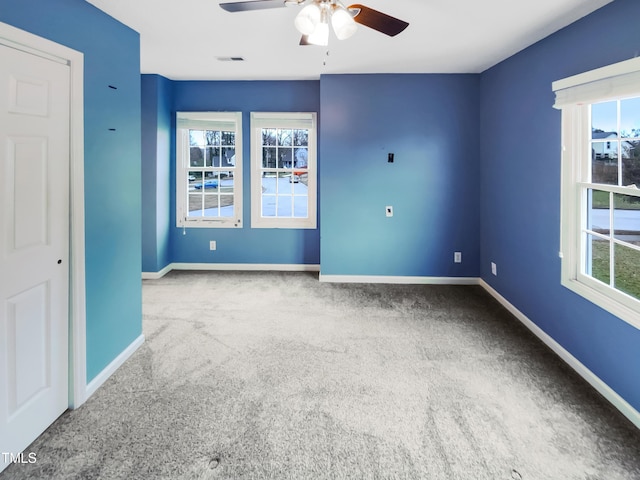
430 123
157 96
520 193
241 245
112 164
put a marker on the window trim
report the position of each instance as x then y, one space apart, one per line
574 95
260 120
184 120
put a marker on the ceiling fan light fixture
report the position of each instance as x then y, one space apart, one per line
343 23
320 35
308 19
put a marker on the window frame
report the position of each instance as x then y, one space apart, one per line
292 120
212 121
574 96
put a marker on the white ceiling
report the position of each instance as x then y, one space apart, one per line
182 39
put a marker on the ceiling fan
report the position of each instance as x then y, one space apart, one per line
313 19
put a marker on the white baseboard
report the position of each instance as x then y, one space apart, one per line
605 390
413 280
248 267
109 370
156 275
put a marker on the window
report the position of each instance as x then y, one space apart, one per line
209 169
600 212
283 170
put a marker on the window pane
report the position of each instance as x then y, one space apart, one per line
228 156
604 120
630 118
285 205
268 136
285 137
196 137
605 162
300 206
211 205
226 205
228 138
213 137
301 177
301 156
598 213
631 163
627 269
212 157
196 157
597 258
301 138
268 205
226 184
285 156
269 156
285 183
269 183
300 187
626 215
193 176
195 205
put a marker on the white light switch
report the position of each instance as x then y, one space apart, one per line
389 211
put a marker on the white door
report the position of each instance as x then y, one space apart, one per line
34 247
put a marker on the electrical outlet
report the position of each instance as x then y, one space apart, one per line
212 245
457 257
389 211
494 269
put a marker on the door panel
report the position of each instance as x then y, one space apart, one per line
27 165
27 335
34 246
29 96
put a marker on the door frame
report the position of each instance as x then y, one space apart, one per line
19 39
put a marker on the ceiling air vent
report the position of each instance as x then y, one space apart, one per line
231 59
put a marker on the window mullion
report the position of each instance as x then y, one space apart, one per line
619 142
612 232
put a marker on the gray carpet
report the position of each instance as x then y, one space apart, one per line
277 376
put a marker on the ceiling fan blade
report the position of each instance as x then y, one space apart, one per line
377 20
252 5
